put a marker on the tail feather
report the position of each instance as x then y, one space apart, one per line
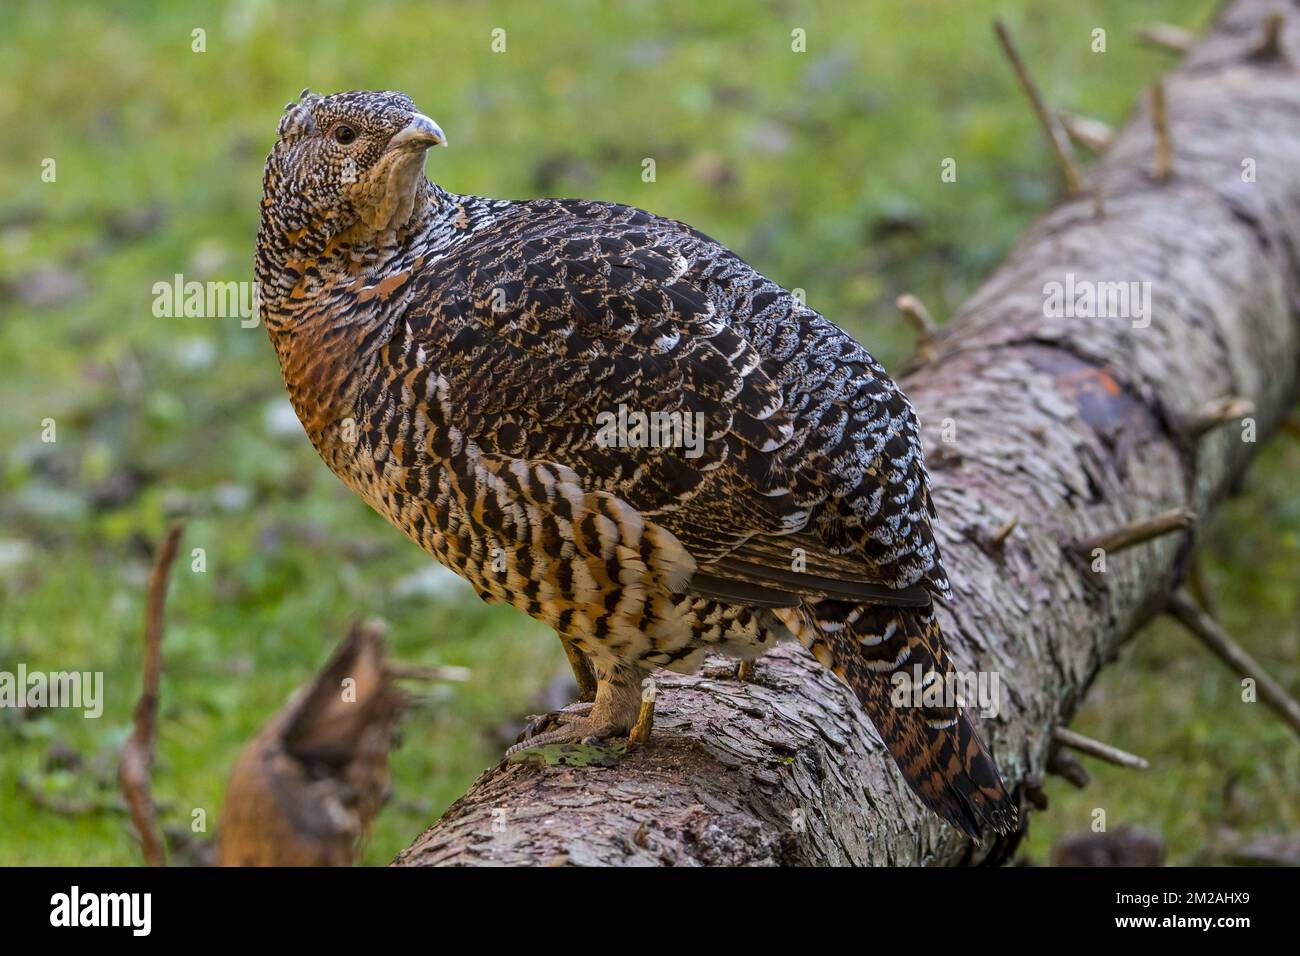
934 744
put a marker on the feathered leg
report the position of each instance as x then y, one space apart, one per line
582 671
934 744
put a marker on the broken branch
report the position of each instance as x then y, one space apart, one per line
1137 532
1095 748
1055 136
1202 626
1220 411
137 754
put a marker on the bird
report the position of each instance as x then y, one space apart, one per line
612 422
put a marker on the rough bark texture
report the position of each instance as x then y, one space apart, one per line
1074 426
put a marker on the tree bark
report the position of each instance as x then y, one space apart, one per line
1072 425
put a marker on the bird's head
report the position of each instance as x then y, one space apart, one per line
347 163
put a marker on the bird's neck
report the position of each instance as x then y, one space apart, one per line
331 301
297 261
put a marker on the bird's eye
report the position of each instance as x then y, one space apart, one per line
344 134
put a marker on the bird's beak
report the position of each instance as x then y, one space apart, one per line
421 132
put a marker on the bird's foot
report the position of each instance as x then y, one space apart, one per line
576 731
573 725
542 729
744 670
580 724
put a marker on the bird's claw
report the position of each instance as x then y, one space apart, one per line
575 724
540 724
645 721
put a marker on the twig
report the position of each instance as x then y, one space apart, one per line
1166 36
1216 639
427 672
1095 748
1164 167
1088 133
1220 411
137 754
1176 519
1055 136
919 318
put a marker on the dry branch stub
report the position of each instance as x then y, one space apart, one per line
1095 748
918 317
996 539
1218 412
1137 532
1270 45
1165 36
1164 166
1087 132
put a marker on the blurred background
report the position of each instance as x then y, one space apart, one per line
821 168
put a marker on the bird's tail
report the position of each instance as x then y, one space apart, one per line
933 742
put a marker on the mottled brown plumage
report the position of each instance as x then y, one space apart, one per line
461 363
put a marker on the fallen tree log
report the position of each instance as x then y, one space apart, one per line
1050 426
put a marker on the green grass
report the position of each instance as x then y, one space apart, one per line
821 168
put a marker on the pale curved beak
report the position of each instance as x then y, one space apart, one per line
421 133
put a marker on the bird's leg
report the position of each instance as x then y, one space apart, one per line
585 677
745 669
582 671
614 713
